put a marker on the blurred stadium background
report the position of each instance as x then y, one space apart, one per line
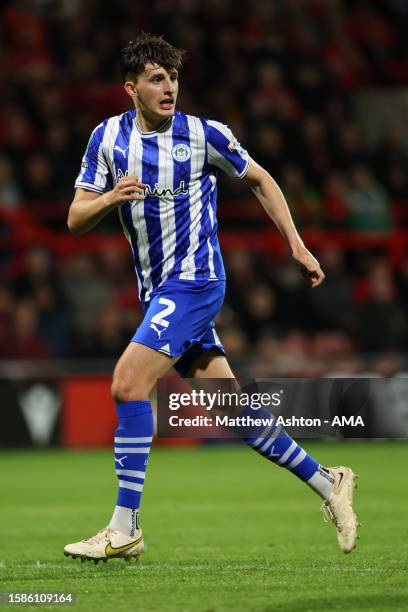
316 90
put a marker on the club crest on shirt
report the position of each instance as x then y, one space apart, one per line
181 152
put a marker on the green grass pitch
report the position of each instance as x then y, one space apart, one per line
225 530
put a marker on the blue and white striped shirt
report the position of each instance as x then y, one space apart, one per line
173 231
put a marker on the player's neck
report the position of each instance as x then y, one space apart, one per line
150 124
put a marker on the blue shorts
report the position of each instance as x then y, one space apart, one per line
179 320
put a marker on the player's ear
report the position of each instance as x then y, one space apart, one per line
130 88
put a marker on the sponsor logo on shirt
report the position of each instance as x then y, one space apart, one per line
155 191
160 193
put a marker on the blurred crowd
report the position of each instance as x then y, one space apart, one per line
86 307
282 74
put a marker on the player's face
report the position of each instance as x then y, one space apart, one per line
155 92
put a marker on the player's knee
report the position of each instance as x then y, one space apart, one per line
126 391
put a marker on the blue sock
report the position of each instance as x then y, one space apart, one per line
275 444
133 439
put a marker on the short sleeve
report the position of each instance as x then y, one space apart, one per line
224 150
95 173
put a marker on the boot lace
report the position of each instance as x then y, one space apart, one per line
103 535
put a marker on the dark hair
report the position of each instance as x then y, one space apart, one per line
148 49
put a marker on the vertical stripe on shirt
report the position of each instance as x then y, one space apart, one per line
138 213
204 254
198 144
210 247
122 163
167 216
181 172
150 176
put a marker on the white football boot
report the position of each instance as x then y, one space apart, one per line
107 544
338 508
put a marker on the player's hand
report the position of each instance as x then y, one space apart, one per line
309 267
127 188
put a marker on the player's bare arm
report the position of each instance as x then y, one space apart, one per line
273 201
89 207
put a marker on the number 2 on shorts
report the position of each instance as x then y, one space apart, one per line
159 316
